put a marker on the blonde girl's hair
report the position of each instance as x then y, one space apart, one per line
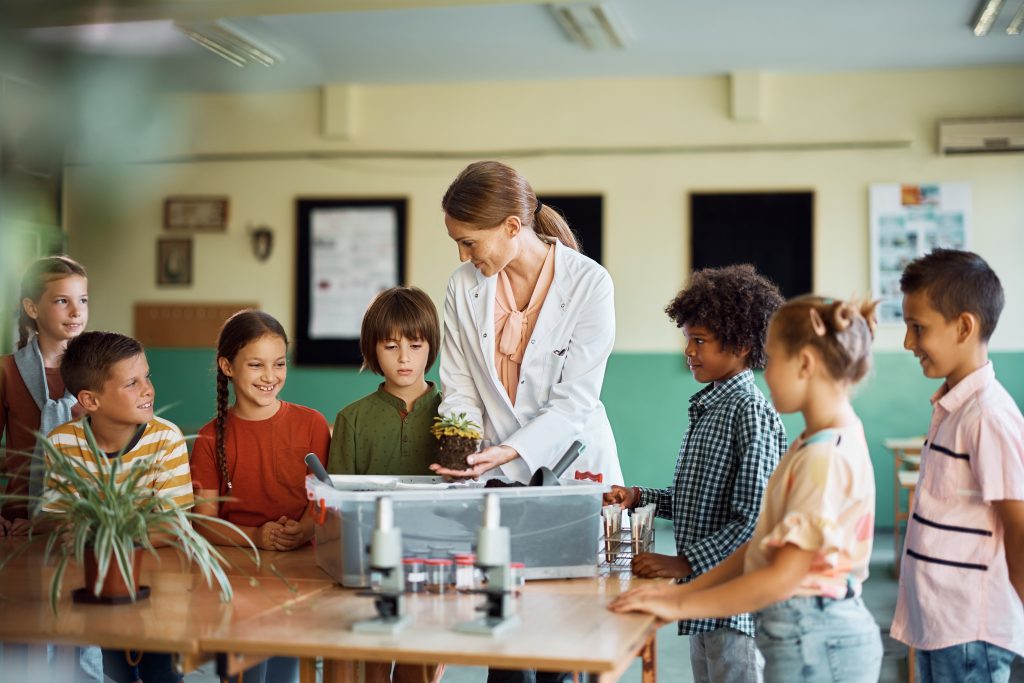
238 331
841 331
33 283
399 312
488 192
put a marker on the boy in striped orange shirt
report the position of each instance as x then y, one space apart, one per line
109 375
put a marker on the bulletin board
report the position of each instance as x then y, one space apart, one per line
908 221
348 251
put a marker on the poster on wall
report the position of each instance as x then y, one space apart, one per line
349 250
908 221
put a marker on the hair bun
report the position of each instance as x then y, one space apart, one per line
843 315
869 311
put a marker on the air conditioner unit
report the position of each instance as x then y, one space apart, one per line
981 136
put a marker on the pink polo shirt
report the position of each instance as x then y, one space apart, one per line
954 584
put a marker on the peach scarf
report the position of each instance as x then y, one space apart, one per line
512 327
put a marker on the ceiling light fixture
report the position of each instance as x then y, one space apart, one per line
230 42
987 13
1017 23
591 25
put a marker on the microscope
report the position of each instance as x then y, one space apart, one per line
386 560
492 557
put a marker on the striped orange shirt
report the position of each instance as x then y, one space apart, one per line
161 440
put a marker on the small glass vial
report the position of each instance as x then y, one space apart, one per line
465 573
438 574
518 574
415 574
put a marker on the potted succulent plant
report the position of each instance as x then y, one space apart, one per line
103 521
457 437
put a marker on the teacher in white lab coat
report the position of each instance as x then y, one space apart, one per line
529 323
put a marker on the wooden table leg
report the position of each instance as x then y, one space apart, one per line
649 660
307 670
339 671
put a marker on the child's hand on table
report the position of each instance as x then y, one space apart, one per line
266 534
664 602
654 566
292 535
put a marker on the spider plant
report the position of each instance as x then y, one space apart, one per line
113 512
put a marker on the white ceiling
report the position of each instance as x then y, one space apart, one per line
422 41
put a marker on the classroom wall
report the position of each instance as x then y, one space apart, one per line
877 127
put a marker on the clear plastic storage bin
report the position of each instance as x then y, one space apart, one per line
554 529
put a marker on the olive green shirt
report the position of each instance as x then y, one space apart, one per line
375 435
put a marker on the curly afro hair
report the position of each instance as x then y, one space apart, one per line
734 303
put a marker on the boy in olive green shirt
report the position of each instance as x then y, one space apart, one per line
388 432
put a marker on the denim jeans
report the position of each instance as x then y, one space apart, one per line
974 662
725 655
819 639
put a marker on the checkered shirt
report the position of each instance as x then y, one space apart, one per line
731 446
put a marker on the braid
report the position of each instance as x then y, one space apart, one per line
222 409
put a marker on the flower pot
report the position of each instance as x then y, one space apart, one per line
115 587
453 450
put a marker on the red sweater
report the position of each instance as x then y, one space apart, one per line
265 462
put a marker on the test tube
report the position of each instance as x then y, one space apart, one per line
611 515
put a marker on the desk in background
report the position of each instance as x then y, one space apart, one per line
906 463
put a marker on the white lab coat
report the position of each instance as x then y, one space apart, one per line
558 399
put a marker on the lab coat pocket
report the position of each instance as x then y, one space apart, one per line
556 361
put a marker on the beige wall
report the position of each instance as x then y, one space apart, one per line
114 207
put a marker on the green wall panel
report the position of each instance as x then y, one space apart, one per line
646 396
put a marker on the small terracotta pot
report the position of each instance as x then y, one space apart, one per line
114 585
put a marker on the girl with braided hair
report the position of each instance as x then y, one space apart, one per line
804 568
252 454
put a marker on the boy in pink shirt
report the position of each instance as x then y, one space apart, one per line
962 573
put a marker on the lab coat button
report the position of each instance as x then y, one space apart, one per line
485 335
533 341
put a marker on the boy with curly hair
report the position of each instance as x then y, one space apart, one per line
732 443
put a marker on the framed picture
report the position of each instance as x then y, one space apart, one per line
174 262
348 251
907 221
196 213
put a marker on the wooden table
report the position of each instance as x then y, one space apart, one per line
179 613
566 626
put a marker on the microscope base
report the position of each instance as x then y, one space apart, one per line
489 626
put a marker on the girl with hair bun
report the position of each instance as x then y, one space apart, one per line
804 568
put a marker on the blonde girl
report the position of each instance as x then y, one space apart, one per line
804 568
54 309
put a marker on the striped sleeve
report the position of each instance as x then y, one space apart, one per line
173 479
